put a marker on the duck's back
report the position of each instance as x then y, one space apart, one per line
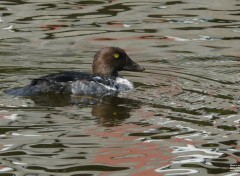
68 82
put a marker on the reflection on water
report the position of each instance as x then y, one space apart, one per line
182 118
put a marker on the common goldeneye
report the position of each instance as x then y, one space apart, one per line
104 79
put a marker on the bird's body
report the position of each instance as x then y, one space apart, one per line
104 79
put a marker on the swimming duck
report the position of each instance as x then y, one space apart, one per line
104 79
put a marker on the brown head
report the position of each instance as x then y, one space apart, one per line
110 60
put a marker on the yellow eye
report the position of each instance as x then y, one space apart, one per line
116 56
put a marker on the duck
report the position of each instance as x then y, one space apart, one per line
104 79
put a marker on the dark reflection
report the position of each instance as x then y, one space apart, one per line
52 100
3 8
13 153
216 20
90 2
198 8
114 9
27 18
47 6
13 2
212 170
171 15
6 14
174 2
114 110
109 110
83 3
79 168
110 9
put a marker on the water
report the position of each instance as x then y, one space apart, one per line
181 119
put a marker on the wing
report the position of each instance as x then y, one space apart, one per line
63 77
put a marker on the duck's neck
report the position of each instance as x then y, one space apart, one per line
105 73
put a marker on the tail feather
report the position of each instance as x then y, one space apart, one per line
24 91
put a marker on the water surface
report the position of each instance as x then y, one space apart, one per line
181 119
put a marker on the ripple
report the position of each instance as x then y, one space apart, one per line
78 168
191 148
5 169
177 171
